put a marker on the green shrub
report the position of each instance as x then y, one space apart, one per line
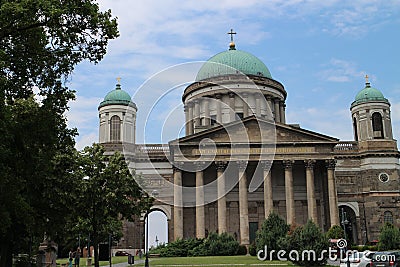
335 232
389 237
178 248
216 245
253 250
272 229
242 250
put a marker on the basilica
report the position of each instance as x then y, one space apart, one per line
239 160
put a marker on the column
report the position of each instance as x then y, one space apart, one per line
178 204
243 204
269 102
333 204
268 199
218 104
283 116
290 212
190 123
281 110
196 113
207 119
222 226
277 110
258 105
231 107
311 202
245 102
186 110
200 225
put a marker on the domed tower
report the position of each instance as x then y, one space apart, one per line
371 119
230 86
117 114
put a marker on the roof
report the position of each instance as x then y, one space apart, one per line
117 97
369 94
233 62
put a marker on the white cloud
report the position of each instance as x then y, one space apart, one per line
339 70
86 140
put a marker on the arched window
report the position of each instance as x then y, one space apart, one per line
388 217
115 129
377 125
355 129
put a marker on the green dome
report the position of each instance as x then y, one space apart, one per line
117 97
230 62
369 94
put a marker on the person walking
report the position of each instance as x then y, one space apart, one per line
77 257
70 257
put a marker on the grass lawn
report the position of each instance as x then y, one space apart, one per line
193 261
82 263
214 261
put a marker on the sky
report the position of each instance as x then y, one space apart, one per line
319 50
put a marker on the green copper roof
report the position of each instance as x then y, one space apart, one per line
369 94
233 62
117 97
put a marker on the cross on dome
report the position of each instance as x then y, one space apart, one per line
232 44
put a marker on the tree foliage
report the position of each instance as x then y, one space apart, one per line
389 237
108 194
307 240
335 232
41 41
272 229
216 245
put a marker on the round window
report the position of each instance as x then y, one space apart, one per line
383 177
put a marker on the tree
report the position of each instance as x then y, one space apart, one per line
41 41
308 242
109 194
335 232
389 237
272 229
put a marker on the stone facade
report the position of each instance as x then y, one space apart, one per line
240 160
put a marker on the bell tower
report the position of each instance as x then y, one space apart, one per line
117 115
372 125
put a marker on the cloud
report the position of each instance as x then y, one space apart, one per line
332 122
86 140
339 70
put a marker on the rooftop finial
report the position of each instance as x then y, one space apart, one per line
232 44
118 83
367 84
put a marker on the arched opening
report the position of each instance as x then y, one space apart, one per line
348 222
355 129
115 129
377 125
158 228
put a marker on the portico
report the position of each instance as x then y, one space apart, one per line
295 181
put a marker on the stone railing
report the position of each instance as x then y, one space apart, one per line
346 147
153 149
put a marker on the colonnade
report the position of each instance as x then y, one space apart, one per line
196 116
243 197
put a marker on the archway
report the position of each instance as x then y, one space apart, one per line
348 222
158 228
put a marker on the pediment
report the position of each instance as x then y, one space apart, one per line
254 130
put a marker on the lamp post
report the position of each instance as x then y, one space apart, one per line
157 241
146 261
344 223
